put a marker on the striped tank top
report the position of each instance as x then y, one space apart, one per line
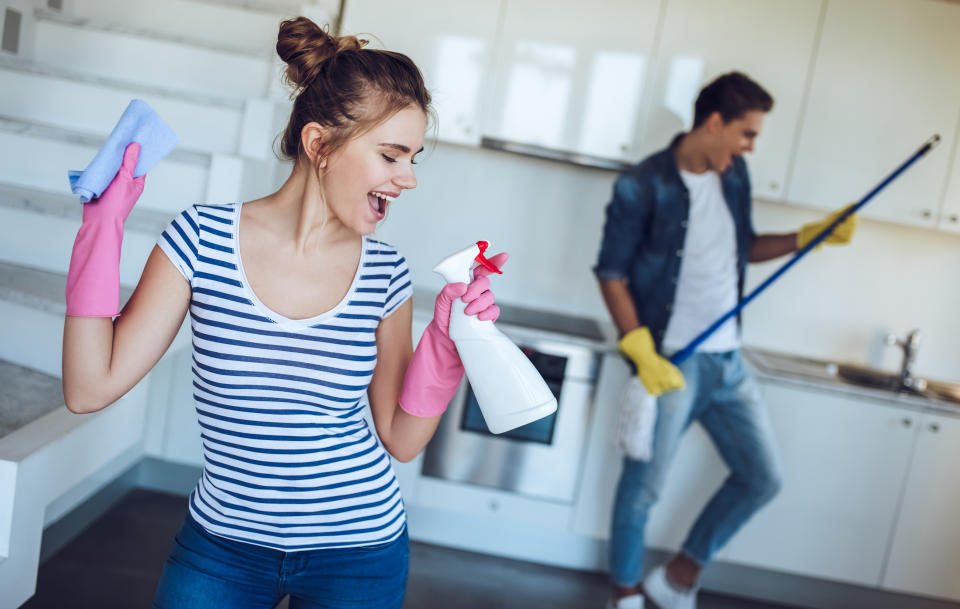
289 461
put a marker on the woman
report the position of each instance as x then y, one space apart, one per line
296 315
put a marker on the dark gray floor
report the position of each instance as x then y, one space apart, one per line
116 561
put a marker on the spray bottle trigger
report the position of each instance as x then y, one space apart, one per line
483 245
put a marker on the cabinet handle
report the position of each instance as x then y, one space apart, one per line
907 421
954 218
934 427
774 186
926 213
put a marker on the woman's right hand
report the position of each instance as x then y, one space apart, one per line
477 295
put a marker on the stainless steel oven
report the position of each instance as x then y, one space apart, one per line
541 459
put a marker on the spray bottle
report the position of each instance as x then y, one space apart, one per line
508 388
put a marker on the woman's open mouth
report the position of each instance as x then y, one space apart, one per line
378 202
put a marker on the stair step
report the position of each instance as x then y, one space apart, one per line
274 7
175 182
141 89
261 51
93 109
51 132
153 62
141 219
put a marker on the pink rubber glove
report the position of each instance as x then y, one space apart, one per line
435 370
93 282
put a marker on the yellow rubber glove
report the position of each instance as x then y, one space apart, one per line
656 373
841 235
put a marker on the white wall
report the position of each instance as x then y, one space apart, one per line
837 303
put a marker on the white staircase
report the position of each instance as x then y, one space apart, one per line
67 72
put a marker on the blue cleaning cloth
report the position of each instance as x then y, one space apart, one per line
140 124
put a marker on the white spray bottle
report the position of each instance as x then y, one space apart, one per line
508 388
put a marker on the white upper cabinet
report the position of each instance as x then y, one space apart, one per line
772 41
926 547
451 41
885 80
570 74
950 213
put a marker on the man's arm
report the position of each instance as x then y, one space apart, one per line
767 247
620 305
770 246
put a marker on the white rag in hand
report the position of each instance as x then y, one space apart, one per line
638 417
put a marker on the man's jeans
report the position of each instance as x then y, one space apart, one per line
722 394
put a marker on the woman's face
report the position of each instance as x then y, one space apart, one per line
371 170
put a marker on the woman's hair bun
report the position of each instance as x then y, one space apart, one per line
304 46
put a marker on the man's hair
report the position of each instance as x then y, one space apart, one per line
732 95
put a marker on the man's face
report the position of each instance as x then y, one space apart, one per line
732 139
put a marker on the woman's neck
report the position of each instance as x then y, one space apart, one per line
298 214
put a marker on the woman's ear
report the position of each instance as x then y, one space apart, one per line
313 137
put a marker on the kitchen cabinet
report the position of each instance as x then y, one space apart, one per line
884 81
844 463
571 75
926 544
772 41
950 214
452 44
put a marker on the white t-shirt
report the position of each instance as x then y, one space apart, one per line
707 286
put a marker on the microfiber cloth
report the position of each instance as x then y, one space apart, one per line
140 124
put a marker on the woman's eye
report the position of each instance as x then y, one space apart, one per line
389 159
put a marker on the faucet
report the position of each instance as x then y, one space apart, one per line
910 344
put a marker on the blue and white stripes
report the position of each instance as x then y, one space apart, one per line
289 460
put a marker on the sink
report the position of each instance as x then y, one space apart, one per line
889 381
868 377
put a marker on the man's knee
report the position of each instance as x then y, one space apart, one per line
765 485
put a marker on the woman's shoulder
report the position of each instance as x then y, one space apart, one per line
217 209
376 247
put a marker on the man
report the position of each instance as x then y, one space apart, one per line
676 243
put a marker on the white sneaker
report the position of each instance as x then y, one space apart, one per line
666 595
634 601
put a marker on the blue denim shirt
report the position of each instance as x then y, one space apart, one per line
646 227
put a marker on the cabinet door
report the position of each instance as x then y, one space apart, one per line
885 80
452 44
771 41
926 547
570 74
950 214
844 464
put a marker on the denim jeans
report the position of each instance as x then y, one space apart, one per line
205 571
723 396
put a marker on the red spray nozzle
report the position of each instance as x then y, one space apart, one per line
483 245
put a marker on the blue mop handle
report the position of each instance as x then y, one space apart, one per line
687 351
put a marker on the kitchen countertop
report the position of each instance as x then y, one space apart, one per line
822 374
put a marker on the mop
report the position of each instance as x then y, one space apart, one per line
639 409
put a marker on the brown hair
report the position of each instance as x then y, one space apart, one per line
341 85
732 95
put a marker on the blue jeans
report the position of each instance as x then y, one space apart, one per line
205 571
723 396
